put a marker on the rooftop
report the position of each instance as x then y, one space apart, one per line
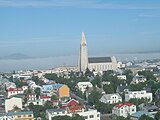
99 59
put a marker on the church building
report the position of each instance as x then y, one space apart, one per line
97 64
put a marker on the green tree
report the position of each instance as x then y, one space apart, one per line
157 116
148 74
48 105
38 91
94 97
88 73
54 97
109 89
74 117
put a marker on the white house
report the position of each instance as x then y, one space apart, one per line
82 86
111 98
14 91
124 109
139 95
44 99
121 77
13 102
88 115
138 79
37 101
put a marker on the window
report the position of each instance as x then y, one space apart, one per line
85 117
29 115
132 109
91 116
98 115
18 116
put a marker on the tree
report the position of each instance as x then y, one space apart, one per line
74 117
157 116
96 81
145 117
54 97
88 73
109 89
148 74
94 97
38 91
48 105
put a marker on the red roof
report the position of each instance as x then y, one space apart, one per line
44 97
75 108
15 89
124 104
72 103
54 101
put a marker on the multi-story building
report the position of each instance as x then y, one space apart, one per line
124 109
82 86
138 95
88 115
25 115
111 98
14 91
60 89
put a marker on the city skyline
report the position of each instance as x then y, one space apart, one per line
53 28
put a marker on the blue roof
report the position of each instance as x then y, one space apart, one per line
19 113
56 110
51 87
140 113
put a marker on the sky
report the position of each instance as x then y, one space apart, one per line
43 28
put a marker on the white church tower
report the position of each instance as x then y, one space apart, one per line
83 58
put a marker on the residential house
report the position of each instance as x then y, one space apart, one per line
74 106
60 90
138 95
149 107
88 115
44 99
138 79
121 77
13 102
82 86
137 115
25 115
122 88
124 109
111 98
14 91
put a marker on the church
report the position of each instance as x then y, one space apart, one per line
97 64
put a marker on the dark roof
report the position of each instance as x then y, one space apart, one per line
99 59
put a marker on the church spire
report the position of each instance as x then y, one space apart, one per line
83 58
83 39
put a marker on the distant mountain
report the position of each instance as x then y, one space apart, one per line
16 56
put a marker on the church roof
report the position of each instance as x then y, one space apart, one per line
99 59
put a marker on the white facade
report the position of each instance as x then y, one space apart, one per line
82 86
13 102
111 98
14 91
83 58
138 94
122 77
88 115
102 65
124 109
138 79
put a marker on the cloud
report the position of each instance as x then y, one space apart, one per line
98 4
